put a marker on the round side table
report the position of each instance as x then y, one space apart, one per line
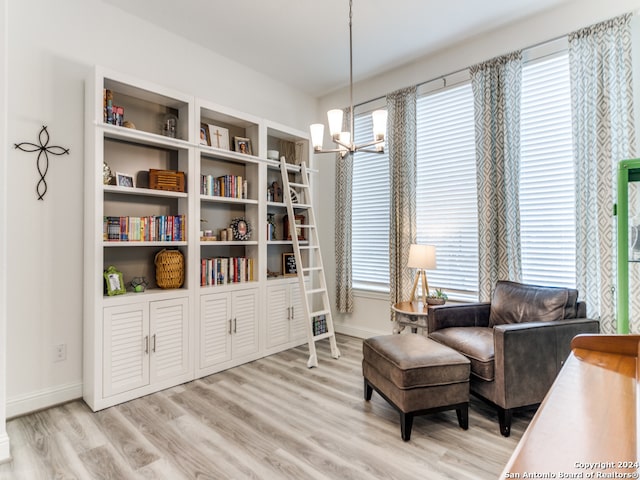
410 314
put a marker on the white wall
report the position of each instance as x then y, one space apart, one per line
4 439
52 47
371 313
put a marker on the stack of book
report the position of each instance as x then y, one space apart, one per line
159 228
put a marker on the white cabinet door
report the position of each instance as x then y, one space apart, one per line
126 348
278 315
215 329
169 341
244 336
298 320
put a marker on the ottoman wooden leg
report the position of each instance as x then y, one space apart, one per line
406 423
368 390
463 416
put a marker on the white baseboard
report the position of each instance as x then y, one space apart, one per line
360 332
5 451
48 397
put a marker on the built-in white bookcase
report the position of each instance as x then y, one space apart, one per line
138 343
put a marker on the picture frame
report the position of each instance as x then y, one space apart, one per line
242 145
289 268
204 134
299 220
241 229
218 137
124 180
114 282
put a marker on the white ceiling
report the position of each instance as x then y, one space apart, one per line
305 43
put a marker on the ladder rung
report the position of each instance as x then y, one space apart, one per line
301 205
308 247
305 225
322 336
316 290
319 312
311 269
299 185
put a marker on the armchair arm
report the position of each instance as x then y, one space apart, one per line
537 348
462 315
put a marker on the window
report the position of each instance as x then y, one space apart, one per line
370 215
446 189
547 218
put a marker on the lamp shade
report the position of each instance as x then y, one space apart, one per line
379 118
317 135
422 256
335 121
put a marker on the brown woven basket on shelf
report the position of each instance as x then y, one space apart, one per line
169 268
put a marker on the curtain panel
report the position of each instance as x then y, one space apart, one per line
342 215
496 86
402 144
603 134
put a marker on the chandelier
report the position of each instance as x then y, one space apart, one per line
345 140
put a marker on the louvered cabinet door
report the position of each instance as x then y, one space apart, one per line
215 329
299 328
126 348
244 338
169 338
278 315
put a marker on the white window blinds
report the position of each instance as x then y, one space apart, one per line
446 189
547 223
370 215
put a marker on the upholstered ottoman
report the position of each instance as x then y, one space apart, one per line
417 376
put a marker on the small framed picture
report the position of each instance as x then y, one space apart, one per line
124 180
289 268
242 145
204 134
241 229
114 284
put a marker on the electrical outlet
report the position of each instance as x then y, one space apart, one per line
60 352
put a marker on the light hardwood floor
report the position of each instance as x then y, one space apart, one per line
269 419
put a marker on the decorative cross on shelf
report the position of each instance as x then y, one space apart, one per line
42 162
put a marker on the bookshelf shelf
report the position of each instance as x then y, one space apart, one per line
149 192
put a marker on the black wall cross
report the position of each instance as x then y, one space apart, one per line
43 157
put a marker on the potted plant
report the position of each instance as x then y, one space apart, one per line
437 298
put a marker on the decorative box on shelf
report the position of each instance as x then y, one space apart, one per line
169 180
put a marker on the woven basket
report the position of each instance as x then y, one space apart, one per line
169 268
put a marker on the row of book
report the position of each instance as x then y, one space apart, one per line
232 186
223 270
111 113
159 228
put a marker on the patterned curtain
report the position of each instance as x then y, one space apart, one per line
603 134
344 189
401 108
496 88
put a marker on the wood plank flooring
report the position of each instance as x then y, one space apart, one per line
269 419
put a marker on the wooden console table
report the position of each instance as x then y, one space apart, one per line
587 423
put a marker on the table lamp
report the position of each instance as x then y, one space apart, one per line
421 257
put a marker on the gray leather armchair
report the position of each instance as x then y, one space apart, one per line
516 344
